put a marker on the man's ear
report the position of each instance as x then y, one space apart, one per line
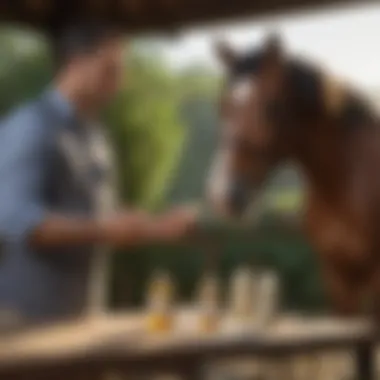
225 53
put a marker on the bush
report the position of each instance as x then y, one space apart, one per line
281 248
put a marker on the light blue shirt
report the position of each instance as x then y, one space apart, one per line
36 178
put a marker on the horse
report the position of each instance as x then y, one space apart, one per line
276 107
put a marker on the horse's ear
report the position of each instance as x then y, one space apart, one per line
225 53
273 50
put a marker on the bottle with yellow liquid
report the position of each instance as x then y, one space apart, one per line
160 303
208 303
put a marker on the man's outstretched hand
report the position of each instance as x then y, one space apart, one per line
136 227
126 228
177 224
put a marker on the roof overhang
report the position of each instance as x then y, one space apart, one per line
149 15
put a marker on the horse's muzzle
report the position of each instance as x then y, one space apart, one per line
239 198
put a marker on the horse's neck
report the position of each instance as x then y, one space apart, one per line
343 168
321 159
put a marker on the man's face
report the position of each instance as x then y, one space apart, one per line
102 71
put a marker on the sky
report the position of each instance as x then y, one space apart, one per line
345 40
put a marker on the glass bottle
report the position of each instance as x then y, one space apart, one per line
208 303
241 302
160 297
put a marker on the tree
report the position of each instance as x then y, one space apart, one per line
146 129
25 66
198 89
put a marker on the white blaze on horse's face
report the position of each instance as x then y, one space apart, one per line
243 91
221 177
218 182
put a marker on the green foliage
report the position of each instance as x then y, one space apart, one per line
146 130
25 66
270 246
199 114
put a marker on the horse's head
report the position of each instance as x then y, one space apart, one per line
251 141
276 107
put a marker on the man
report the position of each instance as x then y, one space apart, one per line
57 210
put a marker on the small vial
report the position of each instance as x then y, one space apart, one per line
160 302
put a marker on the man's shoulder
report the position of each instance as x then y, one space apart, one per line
27 114
23 126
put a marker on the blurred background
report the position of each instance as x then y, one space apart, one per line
164 125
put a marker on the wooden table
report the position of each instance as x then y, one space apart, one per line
87 348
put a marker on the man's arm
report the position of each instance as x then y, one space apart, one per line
128 228
23 155
24 218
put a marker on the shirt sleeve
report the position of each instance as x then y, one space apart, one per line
23 157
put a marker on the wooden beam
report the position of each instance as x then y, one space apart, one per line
152 15
122 344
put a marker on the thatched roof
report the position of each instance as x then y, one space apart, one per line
147 15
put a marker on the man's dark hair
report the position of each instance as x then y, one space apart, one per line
80 38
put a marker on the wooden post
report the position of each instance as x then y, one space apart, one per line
365 363
189 369
193 372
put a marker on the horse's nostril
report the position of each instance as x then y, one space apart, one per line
239 198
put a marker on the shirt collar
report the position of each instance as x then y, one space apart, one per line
61 106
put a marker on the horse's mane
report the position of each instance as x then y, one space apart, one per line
317 86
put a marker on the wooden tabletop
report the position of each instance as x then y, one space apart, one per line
124 338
